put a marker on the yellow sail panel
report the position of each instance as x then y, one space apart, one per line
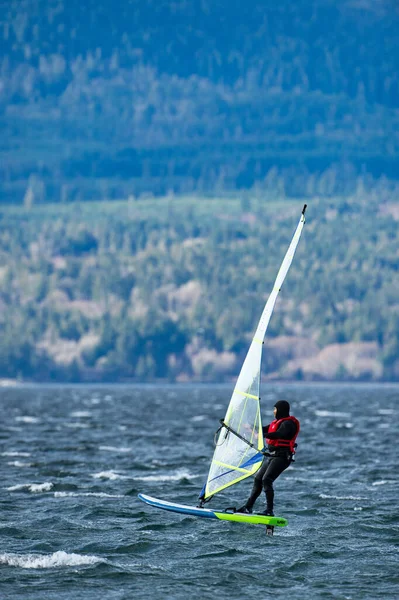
217 487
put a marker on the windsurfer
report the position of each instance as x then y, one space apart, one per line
280 437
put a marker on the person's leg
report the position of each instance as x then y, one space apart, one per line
275 467
257 487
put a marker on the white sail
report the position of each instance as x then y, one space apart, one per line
239 456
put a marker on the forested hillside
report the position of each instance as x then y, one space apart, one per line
203 126
109 99
173 288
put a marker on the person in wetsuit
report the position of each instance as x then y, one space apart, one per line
280 437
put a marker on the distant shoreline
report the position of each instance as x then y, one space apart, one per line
9 383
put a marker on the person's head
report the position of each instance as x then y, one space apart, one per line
281 409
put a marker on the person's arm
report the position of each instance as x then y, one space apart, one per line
285 431
265 429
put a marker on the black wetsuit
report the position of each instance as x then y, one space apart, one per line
272 467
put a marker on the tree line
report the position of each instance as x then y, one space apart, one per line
173 288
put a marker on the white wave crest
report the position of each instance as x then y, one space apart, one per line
85 494
81 414
27 419
35 488
177 476
19 463
326 496
24 454
51 561
330 413
109 475
115 449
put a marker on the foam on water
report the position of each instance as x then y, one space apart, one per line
55 560
115 449
109 475
21 454
19 464
177 476
86 495
330 413
27 419
326 496
35 488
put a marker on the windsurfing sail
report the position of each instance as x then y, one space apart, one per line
238 453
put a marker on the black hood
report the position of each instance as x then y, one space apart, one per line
283 409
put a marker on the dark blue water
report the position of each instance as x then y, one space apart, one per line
73 460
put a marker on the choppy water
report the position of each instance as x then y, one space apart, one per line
73 459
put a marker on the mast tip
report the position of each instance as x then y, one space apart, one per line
304 209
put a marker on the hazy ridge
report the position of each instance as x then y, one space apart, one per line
103 100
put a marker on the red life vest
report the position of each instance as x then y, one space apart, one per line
290 444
